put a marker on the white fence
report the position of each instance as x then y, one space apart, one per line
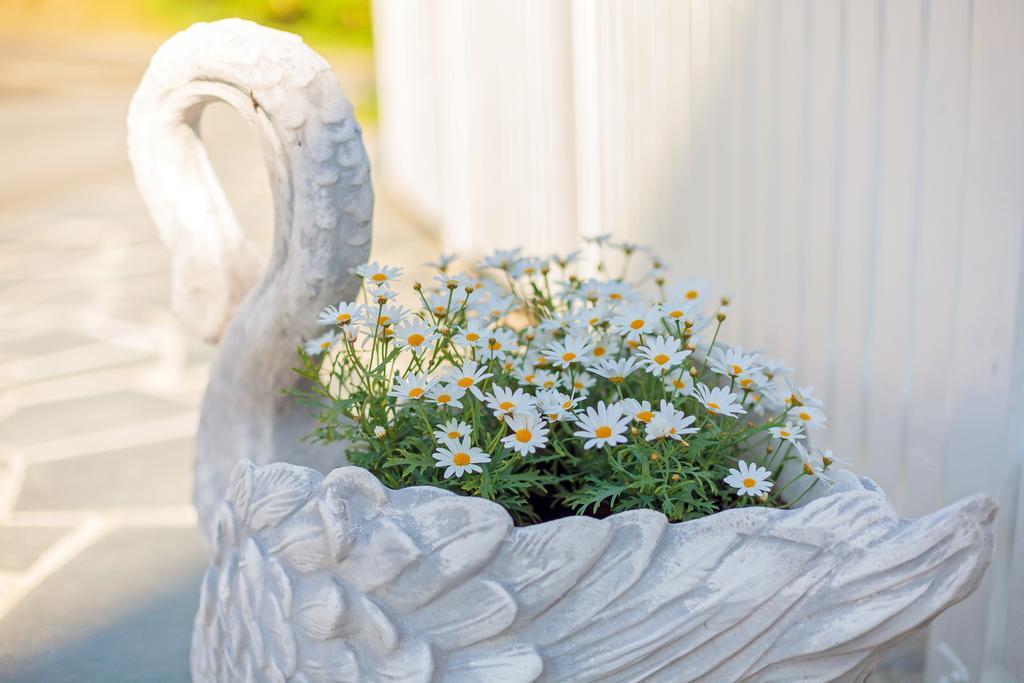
852 170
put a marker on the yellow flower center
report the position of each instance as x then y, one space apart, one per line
443 398
746 382
453 435
784 434
567 405
749 483
645 416
692 294
325 345
736 370
542 361
603 432
616 380
472 336
599 351
712 407
529 378
661 359
378 277
679 384
506 405
343 317
415 339
415 392
633 344
383 320
568 356
637 324
614 296
805 416
465 382
675 314
494 345
552 416
549 383
461 459
524 435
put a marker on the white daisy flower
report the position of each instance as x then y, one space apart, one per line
452 429
505 402
546 380
555 406
502 259
387 315
670 423
411 388
438 303
377 273
460 457
469 376
605 346
499 343
733 362
661 354
828 458
808 416
582 383
719 401
791 433
528 267
567 260
751 380
442 263
601 239
640 411
473 334
454 281
602 426
749 480
528 433
565 353
635 321
694 290
447 395
415 335
616 292
679 310
803 396
494 306
342 314
321 344
377 293
816 469
615 370
679 381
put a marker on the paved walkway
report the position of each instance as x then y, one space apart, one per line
99 555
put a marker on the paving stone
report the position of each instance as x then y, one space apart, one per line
46 422
121 611
20 546
155 474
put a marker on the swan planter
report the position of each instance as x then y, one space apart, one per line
333 577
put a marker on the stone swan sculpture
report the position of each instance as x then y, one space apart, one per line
333 577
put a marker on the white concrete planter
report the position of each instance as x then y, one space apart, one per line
336 578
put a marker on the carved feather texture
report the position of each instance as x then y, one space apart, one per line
353 581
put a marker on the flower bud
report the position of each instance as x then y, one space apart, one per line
417 286
655 457
720 317
693 371
808 470
676 477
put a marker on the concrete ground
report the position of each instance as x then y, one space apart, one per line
99 555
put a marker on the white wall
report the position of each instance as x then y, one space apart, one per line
852 171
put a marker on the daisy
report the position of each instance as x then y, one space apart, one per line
415 335
474 334
320 344
828 458
816 469
567 260
342 314
502 259
547 380
604 346
494 307
635 321
749 480
790 433
506 402
460 457
377 273
442 262
452 429
498 344
410 388
438 303
670 423
447 395
693 290
808 416
566 353
733 362
528 433
617 291
528 267
454 281
582 383
602 426
751 380
661 353
615 371
380 293
719 401
469 376
555 406
679 381
640 411
387 315
678 310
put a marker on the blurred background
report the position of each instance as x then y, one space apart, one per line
851 172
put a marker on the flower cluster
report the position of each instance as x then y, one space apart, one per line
525 382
